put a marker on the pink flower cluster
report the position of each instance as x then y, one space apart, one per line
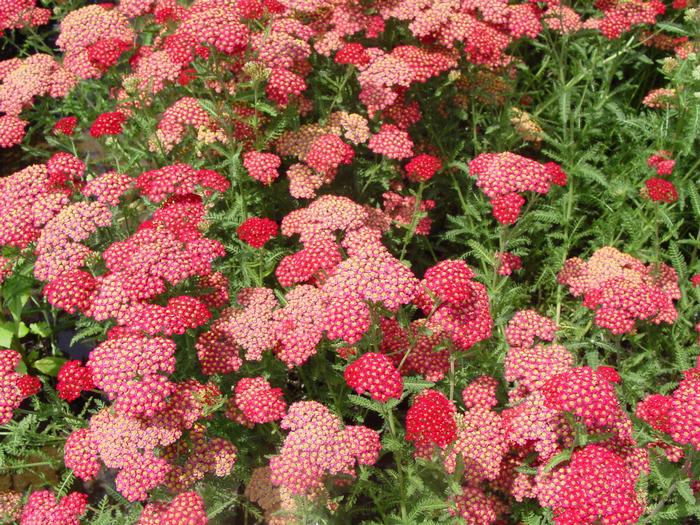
23 80
131 444
491 446
622 289
42 507
258 401
503 177
406 211
173 124
317 446
28 201
186 507
662 162
16 14
86 27
14 387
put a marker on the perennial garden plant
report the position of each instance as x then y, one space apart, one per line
341 261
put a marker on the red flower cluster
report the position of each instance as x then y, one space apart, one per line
677 414
457 305
431 420
65 125
73 378
258 401
179 179
595 486
63 167
662 162
422 168
108 124
374 373
257 231
661 190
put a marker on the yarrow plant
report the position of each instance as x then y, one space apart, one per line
325 261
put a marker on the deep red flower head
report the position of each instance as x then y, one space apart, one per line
250 9
353 53
506 208
374 373
654 410
65 125
104 53
71 291
556 173
660 190
257 231
430 420
108 124
73 378
609 374
422 167
29 385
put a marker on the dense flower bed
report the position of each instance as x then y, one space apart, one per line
329 261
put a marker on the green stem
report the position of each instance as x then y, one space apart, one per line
389 417
414 220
